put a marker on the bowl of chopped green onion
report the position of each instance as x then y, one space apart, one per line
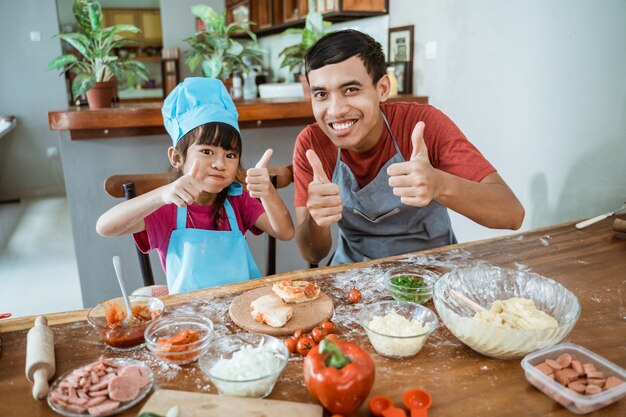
410 283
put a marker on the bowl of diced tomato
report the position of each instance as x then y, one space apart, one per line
412 283
179 339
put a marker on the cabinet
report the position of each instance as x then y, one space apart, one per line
148 20
273 16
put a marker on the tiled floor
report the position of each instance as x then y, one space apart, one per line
38 272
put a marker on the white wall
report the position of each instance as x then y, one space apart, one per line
540 87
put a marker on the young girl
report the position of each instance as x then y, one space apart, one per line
197 222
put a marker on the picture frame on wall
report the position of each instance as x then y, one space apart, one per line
404 74
400 44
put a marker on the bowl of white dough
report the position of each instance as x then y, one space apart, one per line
524 311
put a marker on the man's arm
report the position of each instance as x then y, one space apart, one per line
323 208
314 241
490 202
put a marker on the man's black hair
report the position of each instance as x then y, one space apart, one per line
338 46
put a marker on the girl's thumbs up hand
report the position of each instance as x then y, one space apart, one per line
415 181
258 178
186 189
323 200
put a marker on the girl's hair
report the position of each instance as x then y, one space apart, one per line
215 134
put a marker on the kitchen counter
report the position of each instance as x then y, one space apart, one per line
589 262
145 118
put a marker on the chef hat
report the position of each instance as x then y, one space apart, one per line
194 102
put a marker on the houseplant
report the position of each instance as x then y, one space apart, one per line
214 48
293 56
94 63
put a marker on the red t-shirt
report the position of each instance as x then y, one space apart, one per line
448 148
159 224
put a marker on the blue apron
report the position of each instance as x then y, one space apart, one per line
375 224
198 258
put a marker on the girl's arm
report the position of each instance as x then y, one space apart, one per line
276 220
128 217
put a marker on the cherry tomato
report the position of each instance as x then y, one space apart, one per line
291 344
305 344
310 290
327 327
354 296
297 334
317 334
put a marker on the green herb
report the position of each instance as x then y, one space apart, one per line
409 288
408 281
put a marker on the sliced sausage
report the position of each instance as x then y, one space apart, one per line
103 408
123 388
138 372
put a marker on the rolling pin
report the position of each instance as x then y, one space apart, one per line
40 363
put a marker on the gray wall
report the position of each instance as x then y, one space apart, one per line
540 87
28 91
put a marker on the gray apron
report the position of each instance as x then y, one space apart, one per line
375 224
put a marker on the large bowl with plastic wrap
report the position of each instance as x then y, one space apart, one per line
486 284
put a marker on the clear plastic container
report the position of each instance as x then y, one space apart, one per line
574 402
180 351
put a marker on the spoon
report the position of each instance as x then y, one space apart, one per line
117 264
466 301
589 222
418 402
381 405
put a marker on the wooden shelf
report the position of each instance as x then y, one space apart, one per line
146 119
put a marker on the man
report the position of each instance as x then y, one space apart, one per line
386 173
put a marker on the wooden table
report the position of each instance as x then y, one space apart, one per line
590 262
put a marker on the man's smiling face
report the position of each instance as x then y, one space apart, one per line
346 103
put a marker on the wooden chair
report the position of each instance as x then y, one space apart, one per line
131 185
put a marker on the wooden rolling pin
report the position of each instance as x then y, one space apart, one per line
40 363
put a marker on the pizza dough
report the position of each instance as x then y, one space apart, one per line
305 315
271 310
296 291
516 313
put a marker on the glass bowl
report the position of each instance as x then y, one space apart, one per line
410 283
484 285
573 401
244 364
113 332
179 339
391 327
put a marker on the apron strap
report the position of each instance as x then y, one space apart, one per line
230 213
181 218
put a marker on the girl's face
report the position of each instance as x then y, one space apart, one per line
218 166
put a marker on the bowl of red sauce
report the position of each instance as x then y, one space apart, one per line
109 318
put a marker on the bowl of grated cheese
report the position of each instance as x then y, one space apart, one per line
397 329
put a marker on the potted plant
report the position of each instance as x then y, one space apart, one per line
94 64
215 50
293 56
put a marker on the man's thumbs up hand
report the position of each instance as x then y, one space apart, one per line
415 181
323 200
258 178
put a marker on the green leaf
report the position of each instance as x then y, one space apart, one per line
235 48
82 83
79 41
292 31
212 67
62 61
194 60
207 15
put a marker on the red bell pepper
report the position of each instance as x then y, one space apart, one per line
339 374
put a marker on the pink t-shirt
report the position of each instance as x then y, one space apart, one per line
159 224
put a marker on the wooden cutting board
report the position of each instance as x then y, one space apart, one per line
305 315
196 404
